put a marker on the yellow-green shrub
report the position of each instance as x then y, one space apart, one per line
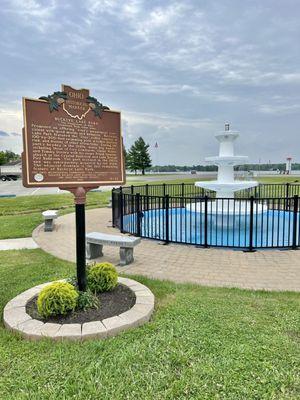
57 298
102 277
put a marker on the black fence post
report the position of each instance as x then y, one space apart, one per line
164 189
138 214
121 213
205 221
295 222
287 190
251 249
182 195
167 206
287 195
147 197
132 189
113 208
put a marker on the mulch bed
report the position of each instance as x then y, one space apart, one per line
112 303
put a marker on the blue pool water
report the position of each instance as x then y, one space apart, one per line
273 228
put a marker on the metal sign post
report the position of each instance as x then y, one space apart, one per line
80 200
80 246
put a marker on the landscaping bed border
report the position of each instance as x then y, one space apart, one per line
17 320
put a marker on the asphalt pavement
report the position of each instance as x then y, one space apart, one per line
15 188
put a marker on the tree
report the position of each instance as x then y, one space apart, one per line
2 158
125 156
8 156
138 157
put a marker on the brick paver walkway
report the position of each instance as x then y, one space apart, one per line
269 269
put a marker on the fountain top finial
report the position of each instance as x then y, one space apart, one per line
227 127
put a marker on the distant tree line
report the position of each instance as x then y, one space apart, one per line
8 156
137 158
266 167
185 168
211 168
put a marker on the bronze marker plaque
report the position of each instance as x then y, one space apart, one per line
71 140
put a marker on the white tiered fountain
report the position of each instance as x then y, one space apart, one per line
226 185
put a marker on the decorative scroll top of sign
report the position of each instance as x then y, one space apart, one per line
76 103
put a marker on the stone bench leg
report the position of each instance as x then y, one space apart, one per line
126 255
48 226
93 250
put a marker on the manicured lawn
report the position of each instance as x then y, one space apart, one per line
277 179
202 343
18 226
31 204
20 215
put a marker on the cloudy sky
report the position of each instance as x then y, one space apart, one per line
176 69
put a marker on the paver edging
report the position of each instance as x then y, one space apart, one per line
17 320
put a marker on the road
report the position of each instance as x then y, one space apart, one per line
16 188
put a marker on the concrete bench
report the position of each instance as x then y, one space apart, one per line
49 217
96 240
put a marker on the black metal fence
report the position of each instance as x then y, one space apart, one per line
266 216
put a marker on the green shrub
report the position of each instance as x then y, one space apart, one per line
102 277
57 298
87 300
73 281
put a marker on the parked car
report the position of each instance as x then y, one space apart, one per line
8 177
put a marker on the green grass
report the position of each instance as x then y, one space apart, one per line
20 215
202 343
32 204
277 179
18 226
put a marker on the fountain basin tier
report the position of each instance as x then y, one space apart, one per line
228 187
226 160
225 207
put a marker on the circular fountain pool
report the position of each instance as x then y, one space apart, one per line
266 216
271 228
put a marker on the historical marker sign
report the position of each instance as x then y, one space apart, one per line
74 142
71 140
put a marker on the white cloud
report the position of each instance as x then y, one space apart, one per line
31 8
33 12
11 119
291 77
196 63
279 109
164 120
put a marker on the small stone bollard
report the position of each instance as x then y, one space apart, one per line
49 217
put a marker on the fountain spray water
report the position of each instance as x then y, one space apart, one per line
226 185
